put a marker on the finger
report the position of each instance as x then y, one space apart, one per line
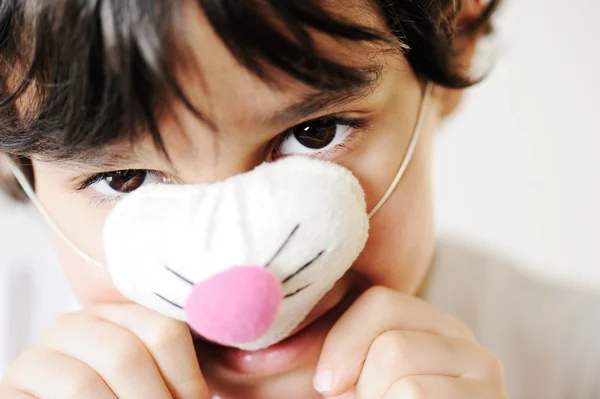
346 395
118 356
438 387
170 344
66 378
399 354
8 393
378 310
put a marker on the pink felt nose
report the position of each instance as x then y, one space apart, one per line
236 306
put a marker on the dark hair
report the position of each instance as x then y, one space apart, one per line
79 74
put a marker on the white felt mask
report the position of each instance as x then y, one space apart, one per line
242 261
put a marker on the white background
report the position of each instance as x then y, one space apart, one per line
518 168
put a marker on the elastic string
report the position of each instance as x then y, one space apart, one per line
26 186
409 153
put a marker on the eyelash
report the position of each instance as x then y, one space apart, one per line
95 178
359 125
99 201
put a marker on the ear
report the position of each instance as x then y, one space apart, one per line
8 182
471 25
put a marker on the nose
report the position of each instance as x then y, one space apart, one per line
236 306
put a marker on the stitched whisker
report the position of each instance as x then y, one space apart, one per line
303 267
180 276
297 291
169 301
282 245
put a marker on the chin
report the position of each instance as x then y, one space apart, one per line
291 385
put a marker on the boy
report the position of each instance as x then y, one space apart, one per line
103 97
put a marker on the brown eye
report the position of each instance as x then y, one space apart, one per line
122 182
126 181
118 183
316 134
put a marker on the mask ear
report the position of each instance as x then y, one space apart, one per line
472 24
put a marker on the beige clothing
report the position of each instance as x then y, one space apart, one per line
547 337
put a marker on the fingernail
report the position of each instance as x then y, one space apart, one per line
323 380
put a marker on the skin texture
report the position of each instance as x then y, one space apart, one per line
388 344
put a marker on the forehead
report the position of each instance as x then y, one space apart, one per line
218 84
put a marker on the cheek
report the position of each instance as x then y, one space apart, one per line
83 225
401 238
90 283
80 221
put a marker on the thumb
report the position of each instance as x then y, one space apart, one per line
346 395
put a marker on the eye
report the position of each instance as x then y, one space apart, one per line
122 182
316 136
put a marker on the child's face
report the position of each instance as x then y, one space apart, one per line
251 117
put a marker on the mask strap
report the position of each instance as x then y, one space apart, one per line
24 182
409 152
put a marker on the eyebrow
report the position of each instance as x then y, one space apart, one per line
103 160
324 100
110 158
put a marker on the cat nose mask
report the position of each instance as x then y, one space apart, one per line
244 260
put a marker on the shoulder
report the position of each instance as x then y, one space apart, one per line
473 282
545 334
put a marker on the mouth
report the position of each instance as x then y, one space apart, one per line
286 355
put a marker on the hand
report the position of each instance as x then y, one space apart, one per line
390 345
108 352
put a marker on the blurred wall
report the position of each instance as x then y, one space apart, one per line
518 168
